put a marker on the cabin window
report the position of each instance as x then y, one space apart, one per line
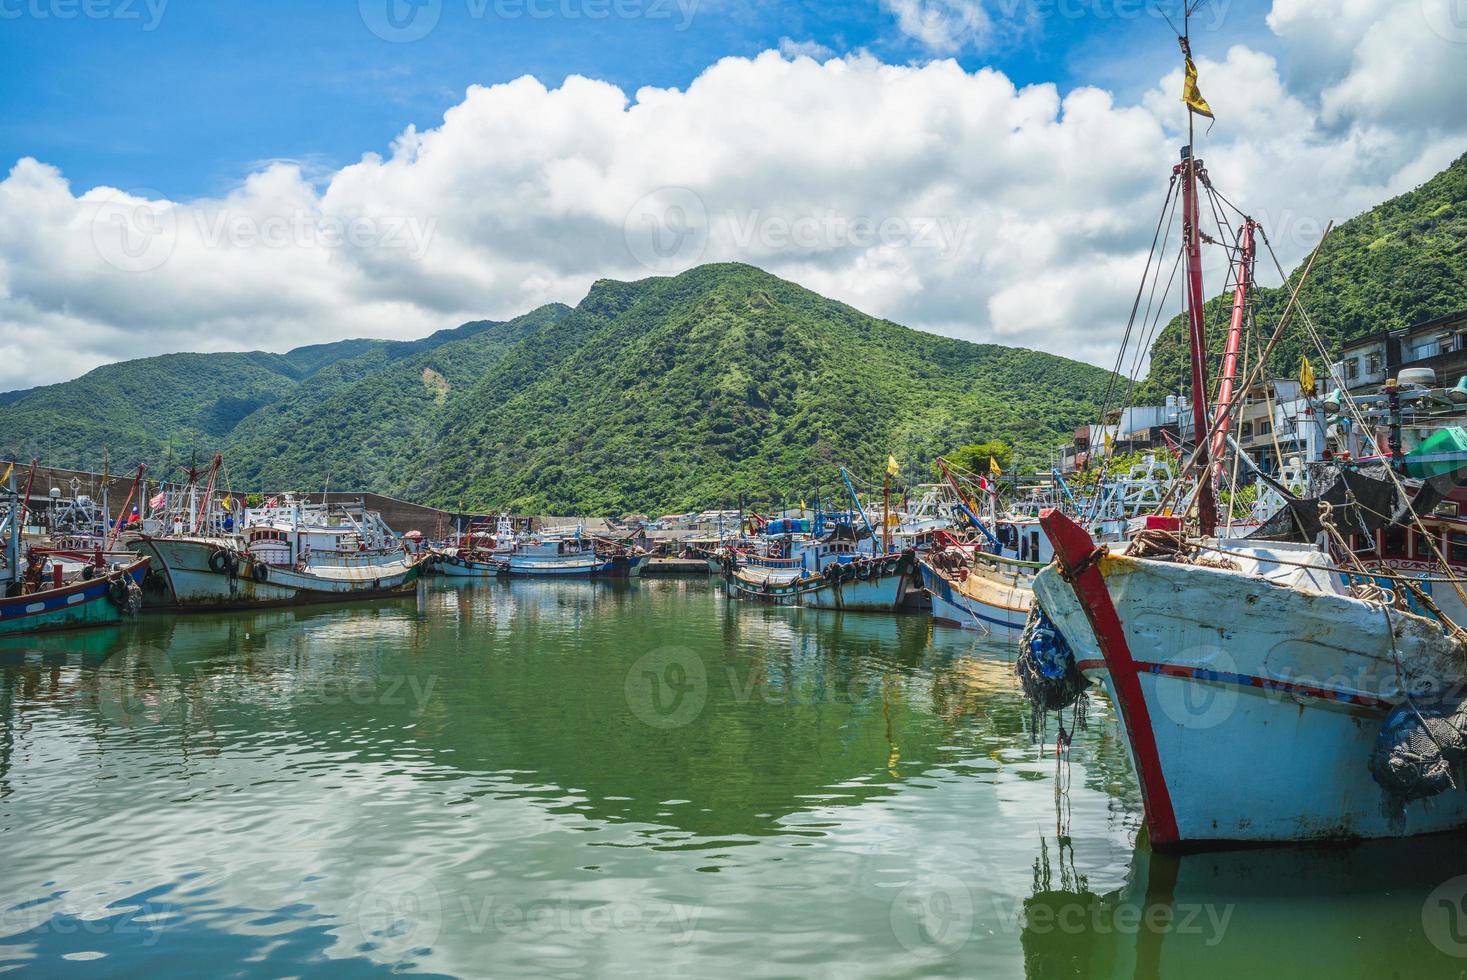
1264 428
1033 545
1393 542
1352 369
1457 548
1372 363
1447 508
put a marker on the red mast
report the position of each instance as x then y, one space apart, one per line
208 491
1192 242
1235 331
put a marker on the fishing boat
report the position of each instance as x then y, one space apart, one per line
44 592
476 553
983 590
569 553
287 553
835 567
1267 694
989 585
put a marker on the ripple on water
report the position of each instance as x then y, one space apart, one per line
463 786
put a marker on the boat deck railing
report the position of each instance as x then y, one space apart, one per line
1011 562
775 562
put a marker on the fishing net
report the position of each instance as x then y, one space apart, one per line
1362 498
1048 673
1419 751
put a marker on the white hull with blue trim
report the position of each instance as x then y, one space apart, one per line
1251 696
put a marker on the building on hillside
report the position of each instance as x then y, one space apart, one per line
1139 428
1278 421
1440 344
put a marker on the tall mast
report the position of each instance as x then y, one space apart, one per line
1192 241
1235 332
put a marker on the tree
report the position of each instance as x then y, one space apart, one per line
975 456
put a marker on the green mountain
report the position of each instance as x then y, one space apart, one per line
666 393
681 391
179 405
1400 263
369 427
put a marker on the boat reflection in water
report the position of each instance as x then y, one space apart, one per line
1376 909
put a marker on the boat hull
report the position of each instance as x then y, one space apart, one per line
72 606
981 602
454 566
191 583
587 566
880 592
1250 704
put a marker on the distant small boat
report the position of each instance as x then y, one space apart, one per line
826 572
566 552
476 555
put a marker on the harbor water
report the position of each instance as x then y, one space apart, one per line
624 779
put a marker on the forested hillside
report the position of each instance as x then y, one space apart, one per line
659 394
1400 263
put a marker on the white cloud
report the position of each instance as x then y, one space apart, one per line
791 48
948 200
943 26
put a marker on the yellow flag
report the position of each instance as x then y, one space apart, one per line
1306 376
8 470
802 503
1192 95
1110 443
892 467
993 467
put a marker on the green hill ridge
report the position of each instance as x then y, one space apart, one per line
661 394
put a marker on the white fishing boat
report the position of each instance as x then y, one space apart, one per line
1260 651
569 553
288 552
989 586
980 590
1267 693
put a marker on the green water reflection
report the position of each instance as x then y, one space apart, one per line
629 779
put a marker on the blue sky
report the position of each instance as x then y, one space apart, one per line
185 97
261 174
